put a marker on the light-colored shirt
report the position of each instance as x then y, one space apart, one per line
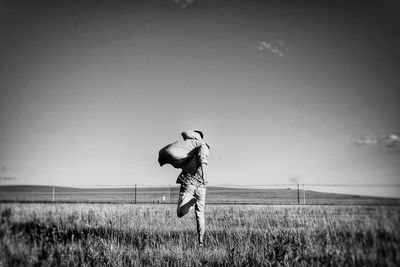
191 171
195 178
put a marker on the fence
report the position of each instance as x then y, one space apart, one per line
292 194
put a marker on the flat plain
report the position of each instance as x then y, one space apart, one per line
215 195
117 234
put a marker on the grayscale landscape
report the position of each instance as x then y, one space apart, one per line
279 119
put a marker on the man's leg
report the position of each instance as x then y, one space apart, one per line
186 200
200 205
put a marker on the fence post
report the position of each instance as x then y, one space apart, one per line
298 194
304 196
135 193
53 193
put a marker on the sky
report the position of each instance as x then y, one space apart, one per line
283 90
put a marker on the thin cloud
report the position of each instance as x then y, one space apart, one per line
366 140
389 140
392 140
183 3
3 175
278 48
7 178
294 180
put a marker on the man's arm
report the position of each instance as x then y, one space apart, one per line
203 173
203 156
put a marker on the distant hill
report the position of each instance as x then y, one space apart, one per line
215 195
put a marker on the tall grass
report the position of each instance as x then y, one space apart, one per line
152 235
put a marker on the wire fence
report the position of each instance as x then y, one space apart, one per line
273 194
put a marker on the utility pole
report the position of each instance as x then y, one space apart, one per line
135 192
298 194
169 193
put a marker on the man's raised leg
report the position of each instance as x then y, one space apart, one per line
186 200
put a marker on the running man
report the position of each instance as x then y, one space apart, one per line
193 182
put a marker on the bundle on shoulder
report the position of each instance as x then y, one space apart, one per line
184 154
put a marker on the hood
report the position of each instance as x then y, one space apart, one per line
191 135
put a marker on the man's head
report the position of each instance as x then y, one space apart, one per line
200 133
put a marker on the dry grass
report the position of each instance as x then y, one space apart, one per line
152 235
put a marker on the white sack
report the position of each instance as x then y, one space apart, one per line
177 154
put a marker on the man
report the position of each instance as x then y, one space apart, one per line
193 182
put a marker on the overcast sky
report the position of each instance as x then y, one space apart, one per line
91 90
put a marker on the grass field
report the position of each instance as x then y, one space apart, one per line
236 235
